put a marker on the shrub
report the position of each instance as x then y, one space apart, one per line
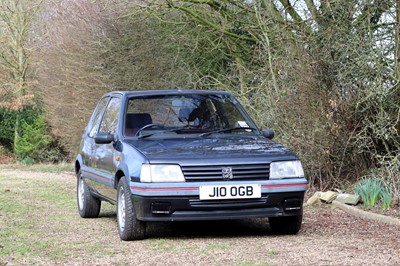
8 119
387 199
33 139
374 190
370 191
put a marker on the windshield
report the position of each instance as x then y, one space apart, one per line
185 114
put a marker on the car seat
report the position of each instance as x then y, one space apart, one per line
135 121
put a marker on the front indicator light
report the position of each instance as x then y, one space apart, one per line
286 169
161 173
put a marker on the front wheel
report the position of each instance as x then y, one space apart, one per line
88 205
288 225
129 228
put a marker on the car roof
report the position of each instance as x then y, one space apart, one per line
165 92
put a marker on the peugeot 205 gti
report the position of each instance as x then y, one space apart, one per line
185 155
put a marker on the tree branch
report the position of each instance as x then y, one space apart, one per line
295 16
313 10
210 24
273 11
372 13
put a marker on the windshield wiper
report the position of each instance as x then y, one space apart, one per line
227 130
162 132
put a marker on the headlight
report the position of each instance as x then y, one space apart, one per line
287 169
161 173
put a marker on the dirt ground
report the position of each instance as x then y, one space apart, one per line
328 236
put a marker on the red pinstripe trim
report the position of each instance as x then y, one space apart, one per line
196 188
163 188
97 176
283 185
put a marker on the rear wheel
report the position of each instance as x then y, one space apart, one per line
288 225
88 205
129 228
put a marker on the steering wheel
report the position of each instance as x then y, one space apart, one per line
157 126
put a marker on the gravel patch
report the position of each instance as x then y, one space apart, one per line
329 236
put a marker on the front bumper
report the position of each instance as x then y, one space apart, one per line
190 208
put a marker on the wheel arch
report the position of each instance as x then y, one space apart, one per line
78 164
118 175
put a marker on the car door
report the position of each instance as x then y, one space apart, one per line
104 163
88 145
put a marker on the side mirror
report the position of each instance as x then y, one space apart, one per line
103 138
268 133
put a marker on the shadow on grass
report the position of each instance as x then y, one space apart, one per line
199 229
108 214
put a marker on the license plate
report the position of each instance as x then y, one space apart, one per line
230 192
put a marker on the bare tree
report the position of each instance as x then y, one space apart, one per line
397 32
321 73
16 17
67 55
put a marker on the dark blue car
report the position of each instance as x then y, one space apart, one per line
183 155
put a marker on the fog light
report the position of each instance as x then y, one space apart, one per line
160 208
293 204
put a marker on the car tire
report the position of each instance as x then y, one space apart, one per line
129 227
88 205
288 225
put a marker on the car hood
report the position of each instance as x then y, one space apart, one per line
210 148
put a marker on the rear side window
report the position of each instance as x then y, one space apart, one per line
96 118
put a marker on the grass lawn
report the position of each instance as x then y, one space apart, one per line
40 225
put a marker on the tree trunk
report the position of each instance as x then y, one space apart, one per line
397 37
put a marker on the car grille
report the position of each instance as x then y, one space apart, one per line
214 172
231 204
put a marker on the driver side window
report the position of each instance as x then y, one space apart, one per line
109 122
97 116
